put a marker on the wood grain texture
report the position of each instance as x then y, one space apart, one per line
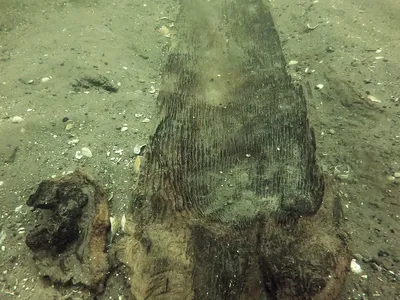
228 202
234 140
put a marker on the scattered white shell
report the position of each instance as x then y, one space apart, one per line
355 267
319 86
138 115
124 128
164 31
311 27
3 248
292 62
18 208
17 119
78 154
373 99
73 142
146 120
1 183
138 148
86 152
152 90
396 174
45 79
123 222
119 151
114 227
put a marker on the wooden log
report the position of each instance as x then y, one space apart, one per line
228 203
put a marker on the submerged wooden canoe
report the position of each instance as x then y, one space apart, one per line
228 203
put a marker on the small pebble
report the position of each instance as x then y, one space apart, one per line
86 152
355 267
45 79
65 119
357 256
17 119
376 267
330 49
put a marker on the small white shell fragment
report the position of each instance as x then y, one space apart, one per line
138 148
138 115
292 62
124 128
355 267
86 152
119 151
73 142
146 120
114 227
113 223
152 90
373 99
45 79
379 57
123 222
78 154
396 174
319 86
164 31
18 209
1 183
30 81
3 248
17 119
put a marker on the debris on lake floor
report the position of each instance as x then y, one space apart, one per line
69 241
